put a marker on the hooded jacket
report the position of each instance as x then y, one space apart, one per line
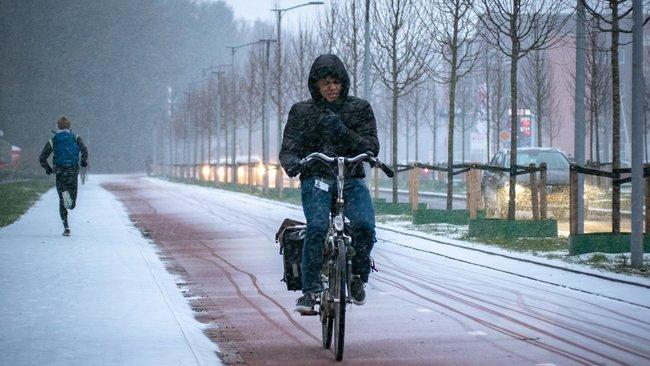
306 133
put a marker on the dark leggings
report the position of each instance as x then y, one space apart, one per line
66 180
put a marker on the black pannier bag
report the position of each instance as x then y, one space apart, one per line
291 236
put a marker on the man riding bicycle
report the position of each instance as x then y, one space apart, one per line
331 122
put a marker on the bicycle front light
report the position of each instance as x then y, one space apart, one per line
338 222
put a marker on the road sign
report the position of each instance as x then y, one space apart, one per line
504 136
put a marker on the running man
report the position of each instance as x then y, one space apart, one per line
66 147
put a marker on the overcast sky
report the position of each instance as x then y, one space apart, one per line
261 9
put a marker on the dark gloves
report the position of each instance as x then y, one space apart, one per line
84 163
48 170
293 167
294 170
333 124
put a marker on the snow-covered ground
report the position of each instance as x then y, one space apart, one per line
99 297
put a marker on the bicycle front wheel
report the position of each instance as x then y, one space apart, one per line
326 318
339 294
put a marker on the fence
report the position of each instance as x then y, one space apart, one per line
537 186
253 175
616 180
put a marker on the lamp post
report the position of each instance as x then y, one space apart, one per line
278 83
265 118
234 49
219 73
265 132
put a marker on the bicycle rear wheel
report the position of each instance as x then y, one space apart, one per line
338 292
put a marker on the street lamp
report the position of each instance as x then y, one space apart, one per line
278 175
265 121
265 133
219 73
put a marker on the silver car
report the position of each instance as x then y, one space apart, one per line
495 185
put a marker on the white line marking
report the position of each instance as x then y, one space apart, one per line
425 310
476 333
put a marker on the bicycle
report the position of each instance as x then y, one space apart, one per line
338 251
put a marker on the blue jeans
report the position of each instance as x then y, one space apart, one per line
316 205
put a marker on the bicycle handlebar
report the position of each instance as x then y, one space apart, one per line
369 157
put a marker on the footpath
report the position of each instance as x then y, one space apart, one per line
99 297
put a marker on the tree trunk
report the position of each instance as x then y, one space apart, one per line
451 114
514 58
407 139
463 130
450 135
539 97
250 152
394 131
616 122
226 168
417 124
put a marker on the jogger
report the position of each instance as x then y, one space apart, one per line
66 147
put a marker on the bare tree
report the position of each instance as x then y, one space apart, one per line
329 29
539 87
468 110
250 86
350 45
517 27
454 35
302 53
553 128
494 98
401 56
431 93
610 13
599 82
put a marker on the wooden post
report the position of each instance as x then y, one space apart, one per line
543 204
573 200
376 182
534 202
473 192
414 188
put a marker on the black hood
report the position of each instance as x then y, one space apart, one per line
324 66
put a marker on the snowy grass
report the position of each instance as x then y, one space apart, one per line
617 262
18 197
536 246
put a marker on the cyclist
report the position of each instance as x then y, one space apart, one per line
336 123
66 147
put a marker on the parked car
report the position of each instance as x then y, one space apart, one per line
495 185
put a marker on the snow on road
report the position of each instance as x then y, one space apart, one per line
99 297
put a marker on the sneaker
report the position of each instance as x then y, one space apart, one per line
67 200
66 232
305 304
358 293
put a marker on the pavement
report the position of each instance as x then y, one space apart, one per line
99 297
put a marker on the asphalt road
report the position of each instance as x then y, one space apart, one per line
422 309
